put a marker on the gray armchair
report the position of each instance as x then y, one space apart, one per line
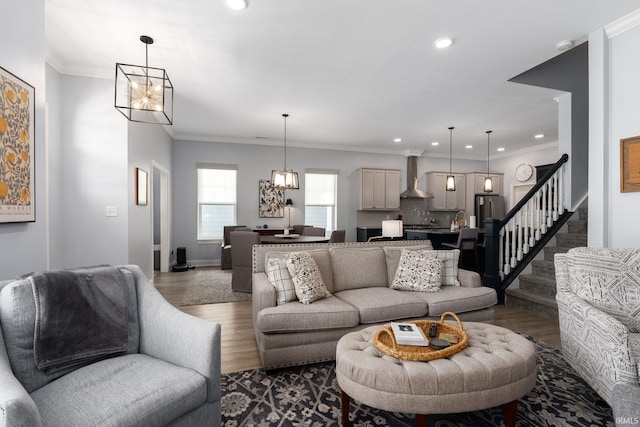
225 250
598 307
241 250
169 374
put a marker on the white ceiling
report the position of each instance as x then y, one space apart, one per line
352 74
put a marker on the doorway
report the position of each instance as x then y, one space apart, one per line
160 217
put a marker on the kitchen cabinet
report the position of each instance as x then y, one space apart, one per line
475 185
443 199
379 189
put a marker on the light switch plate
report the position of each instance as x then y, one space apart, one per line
112 211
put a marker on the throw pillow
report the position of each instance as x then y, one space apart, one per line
280 278
306 277
418 271
392 257
450 268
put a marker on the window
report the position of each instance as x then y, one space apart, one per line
216 199
320 196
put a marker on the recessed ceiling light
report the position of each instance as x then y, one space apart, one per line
501 149
468 147
435 143
397 139
237 4
443 42
539 136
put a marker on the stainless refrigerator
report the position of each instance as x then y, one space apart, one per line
488 206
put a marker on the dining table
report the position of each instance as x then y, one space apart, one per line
284 239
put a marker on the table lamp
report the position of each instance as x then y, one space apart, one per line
288 204
392 228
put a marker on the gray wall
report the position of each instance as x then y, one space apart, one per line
92 169
255 162
621 121
147 142
23 246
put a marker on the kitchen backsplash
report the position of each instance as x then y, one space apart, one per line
413 211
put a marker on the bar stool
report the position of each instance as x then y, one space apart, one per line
467 241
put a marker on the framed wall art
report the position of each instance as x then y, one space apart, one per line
270 200
630 164
142 187
17 149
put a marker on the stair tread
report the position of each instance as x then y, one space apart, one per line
546 280
546 300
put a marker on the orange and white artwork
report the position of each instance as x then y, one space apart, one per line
17 118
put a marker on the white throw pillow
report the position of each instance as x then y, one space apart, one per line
306 277
418 271
280 278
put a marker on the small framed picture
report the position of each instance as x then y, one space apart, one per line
142 185
630 164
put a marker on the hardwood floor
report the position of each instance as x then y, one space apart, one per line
239 351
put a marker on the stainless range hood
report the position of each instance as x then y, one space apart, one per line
413 192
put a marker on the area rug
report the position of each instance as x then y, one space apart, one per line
309 396
211 287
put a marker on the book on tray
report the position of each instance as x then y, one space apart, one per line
409 334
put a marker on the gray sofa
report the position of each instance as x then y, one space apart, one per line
169 374
358 277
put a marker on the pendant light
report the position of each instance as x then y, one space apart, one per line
144 94
451 180
488 184
285 179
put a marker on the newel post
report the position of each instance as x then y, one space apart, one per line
491 277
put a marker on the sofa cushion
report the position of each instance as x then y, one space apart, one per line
355 268
306 277
133 390
327 313
279 276
320 256
18 317
457 299
383 304
449 269
608 279
392 257
418 272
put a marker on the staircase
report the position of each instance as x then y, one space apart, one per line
537 291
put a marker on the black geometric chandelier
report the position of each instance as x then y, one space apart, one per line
143 93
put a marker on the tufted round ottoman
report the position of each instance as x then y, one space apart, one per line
497 368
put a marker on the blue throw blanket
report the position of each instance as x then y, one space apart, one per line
81 317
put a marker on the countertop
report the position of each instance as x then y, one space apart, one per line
440 231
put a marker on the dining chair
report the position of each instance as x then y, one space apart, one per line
241 257
225 251
313 231
337 236
299 228
467 241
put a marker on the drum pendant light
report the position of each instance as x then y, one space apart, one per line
285 179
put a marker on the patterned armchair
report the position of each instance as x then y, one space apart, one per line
599 311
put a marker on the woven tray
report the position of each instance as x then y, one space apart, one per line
385 341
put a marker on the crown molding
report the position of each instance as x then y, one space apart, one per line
623 24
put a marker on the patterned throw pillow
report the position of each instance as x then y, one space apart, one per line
418 271
280 278
306 277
